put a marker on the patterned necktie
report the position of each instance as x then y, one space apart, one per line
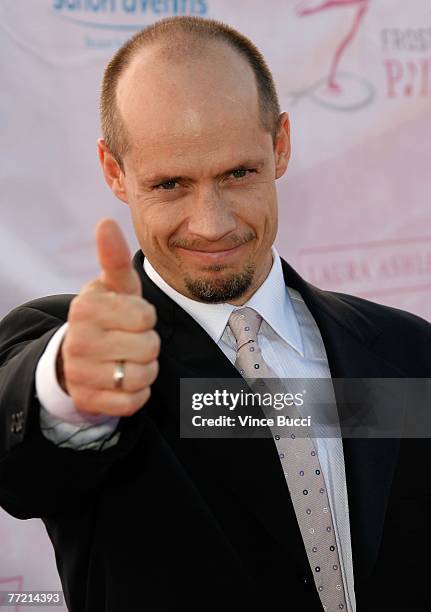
302 471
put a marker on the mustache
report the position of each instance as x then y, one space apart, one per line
227 243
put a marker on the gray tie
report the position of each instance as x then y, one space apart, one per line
302 471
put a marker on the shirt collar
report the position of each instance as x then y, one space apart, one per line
271 300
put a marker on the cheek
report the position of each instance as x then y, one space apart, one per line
154 223
258 205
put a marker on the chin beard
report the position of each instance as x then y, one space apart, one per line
221 290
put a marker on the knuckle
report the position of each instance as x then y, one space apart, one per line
76 344
152 313
84 399
129 405
147 315
153 343
82 308
75 308
153 371
144 396
72 372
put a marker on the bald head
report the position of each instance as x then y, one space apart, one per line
182 67
184 98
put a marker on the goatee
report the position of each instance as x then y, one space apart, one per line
221 290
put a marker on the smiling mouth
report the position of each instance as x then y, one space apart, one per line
212 256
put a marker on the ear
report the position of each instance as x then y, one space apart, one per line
282 145
113 174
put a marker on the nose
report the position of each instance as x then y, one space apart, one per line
211 217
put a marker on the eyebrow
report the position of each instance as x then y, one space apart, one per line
157 179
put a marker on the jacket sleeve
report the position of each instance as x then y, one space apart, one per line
38 478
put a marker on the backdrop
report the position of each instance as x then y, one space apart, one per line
355 210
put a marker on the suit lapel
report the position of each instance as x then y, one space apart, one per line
250 468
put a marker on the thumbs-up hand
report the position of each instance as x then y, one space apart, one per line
110 322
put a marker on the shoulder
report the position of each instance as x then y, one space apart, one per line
51 307
400 337
387 318
27 328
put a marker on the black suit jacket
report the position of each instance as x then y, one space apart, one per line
159 522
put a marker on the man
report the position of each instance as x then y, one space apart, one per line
141 518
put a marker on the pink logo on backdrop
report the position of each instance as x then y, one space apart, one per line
11 584
338 90
373 269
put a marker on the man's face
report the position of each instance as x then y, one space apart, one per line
200 172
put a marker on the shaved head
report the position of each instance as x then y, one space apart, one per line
174 43
155 85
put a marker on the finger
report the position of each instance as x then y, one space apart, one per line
110 310
112 403
101 376
118 273
112 345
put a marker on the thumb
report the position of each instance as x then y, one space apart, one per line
118 273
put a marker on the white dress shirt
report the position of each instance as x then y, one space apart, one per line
289 340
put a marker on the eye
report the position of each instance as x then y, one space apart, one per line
166 185
240 173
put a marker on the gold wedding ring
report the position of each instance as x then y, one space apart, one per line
119 372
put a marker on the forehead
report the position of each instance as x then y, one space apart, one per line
201 103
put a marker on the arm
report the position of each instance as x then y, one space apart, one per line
38 478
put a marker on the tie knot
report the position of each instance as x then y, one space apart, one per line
244 323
